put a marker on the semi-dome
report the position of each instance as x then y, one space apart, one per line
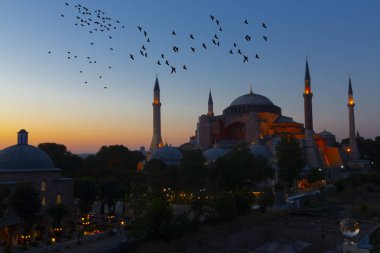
251 99
167 154
24 157
214 154
259 150
251 102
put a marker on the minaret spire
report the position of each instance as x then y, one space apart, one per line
210 105
312 155
353 151
156 139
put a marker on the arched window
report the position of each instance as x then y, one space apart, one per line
58 199
43 185
43 201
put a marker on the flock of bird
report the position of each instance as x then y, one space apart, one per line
97 22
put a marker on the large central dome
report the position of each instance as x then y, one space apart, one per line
251 102
251 99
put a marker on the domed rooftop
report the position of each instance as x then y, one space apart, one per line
325 133
251 102
24 157
259 150
167 154
251 99
214 154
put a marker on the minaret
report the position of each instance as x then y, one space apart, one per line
312 155
156 139
307 97
353 151
210 105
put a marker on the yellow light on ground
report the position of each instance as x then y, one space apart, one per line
53 240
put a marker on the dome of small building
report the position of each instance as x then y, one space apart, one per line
168 155
214 154
260 150
325 133
22 156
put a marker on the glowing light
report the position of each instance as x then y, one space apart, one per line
53 240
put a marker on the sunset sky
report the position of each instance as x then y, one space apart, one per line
46 94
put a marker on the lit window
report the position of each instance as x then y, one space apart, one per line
43 201
58 199
43 185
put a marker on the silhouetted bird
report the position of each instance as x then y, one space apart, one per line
131 56
109 67
92 43
213 41
49 52
216 36
175 49
111 48
158 62
184 67
62 15
81 71
67 4
204 45
148 40
145 33
217 22
166 62
105 87
245 58
88 57
218 43
100 77
234 44
68 57
110 37
191 36
231 51
257 56
212 17
146 54
142 53
68 52
220 29
239 51
192 49
143 47
173 70
265 38
140 28
162 56
85 82
247 38
246 21
173 33
264 25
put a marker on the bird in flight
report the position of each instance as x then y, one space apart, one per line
140 28
173 33
105 87
49 52
212 17
143 47
265 38
235 44
145 33
204 45
220 29
192 49
264 25
217 22
111 48
62 15
247 38
67 4
184 67
148 40
131 56
257 56
245 58
239 51
231 51
173 70
158 62
175 49
81 71
162 56
92 43
166 62
216 37
246 21
191 36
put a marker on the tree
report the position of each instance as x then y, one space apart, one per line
26 202
86 190
239 169
159 175
111 191
315 175
4 193
57 213
194 173
62 158
290 159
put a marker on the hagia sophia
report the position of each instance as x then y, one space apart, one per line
256 120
